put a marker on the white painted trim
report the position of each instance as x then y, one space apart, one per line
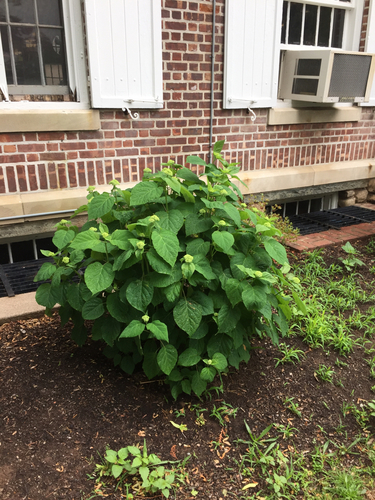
370 45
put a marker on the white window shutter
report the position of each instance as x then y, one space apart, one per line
3 76
370 46
125 53
252 53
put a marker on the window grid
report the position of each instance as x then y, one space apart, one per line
334 8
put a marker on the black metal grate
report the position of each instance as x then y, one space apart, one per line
18 277
316 222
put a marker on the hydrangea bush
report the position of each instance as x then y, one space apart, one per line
176 273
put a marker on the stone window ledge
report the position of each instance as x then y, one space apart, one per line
291 116
51 120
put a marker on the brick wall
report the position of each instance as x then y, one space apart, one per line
123 147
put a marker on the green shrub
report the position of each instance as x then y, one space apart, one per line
176 273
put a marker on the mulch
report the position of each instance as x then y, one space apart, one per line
61 405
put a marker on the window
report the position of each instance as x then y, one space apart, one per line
42 54
313 25
257 30
32 35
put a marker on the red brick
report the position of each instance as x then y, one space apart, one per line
91 154
81 174
31 174
42 175
52 156
32 157
11 137
2 181
61 170
91 173
51 136
12 159
72 175
72 146
52 177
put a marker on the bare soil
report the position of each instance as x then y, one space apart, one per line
60 405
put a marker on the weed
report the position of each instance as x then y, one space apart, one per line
351 261
292 406
290 355
345 485
325 373
223 413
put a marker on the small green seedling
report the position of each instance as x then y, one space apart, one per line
290 355
351 261
292 406
325 373
181 427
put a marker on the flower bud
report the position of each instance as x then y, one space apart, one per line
202 211
222 223
188 258
167 171
93 229
154 218
267 224
147 170
243 205
146 318
66 260
114 182
141 245
105 235
90 189
258 274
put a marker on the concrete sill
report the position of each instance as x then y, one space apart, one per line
290 116
51 120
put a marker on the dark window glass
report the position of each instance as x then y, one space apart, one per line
26 55
44 244
49 12
316 205
310 67
53 56
291 208
2 11
303 207
21 11
305 86
338 28
4 254
284 21
311 14
22 250
324 26
295 23
6 52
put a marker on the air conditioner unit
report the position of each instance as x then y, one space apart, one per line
325 75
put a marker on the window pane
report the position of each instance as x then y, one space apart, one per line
21 11
53 56
49 12
338 28
283 25
2 11
311 14
324 26
295 23
26 55
7 60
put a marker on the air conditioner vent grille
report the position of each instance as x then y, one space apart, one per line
349 76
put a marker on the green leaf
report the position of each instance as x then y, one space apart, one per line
189 357
195 224
111 456
205 302
120 238
98 277
166 244
121 258
62 238
172 220
198 385
145 192
117 308
139 294
127 365
301 306
46 295
167 358
174 184
110 328
253 297
203 267
86 240
144 472
208 373
219 343
134 329
74 297
223 240
227 319
186 387
123 216
233 213
187 315
188 197
187 175
79 334
117 470
45 272
172 292
157 263
218 146
198 246
276 251
93 308
100 205
159 329
233 289
195 160
219 361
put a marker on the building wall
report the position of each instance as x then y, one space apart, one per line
122 147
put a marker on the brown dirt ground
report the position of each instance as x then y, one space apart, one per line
60 405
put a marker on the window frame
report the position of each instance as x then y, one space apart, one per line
76 66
